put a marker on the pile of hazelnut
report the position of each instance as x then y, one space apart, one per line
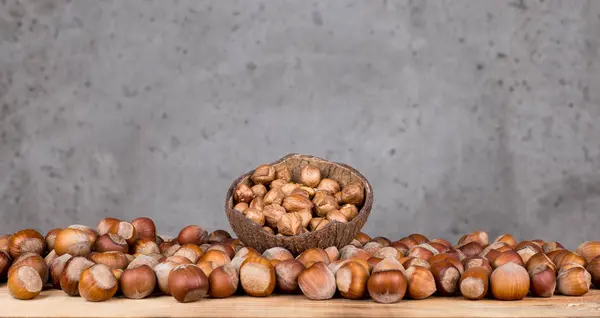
128 259
284 207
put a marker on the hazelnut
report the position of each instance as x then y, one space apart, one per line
290 224
387 264
72 241
387 286
257 203
25 241
421 283
332 253
242 206
409 261
145 246
274 196
227 249
387 252
116 260
471 249
477 261
362 238
408 242
257 277
145 228
138 282
317 282
192 234
480 237
283 173
561 259
353 193
508 239
190 251
351 280
188 283
111 242
400 247
551 246
273 214
329 185
474 283
349 211
311 191
243 193
127 231
69 278
542 280
5 262
594 270
384 241
258 190
446 277
4 247
224 281
263 174
496 246
507 257
538 259
162 272
24 283
351 252
449 258
526 253
34 261
589 250
294 203
441 248
419 238
142 260
423 251
216 257
300 192
108 225
288 188
277 183
97 283
322 224
50 257
310 176
279 253
509 282
219 236
313 255
336 216
50 239
314 222
287 272
338 197
531 244
207 267
573 280
91 233
56 268
255 216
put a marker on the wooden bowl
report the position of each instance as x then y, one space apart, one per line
334 234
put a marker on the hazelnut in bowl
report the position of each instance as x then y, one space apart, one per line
299 202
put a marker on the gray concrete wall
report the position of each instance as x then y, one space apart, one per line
462 114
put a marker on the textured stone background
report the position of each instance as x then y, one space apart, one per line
462 114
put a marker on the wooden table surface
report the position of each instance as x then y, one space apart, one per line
54 303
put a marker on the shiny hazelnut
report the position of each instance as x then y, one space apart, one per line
34 261
508 239
273 214
111 243
225 248
509 282
419 238
188 283
474 283
569 257
371 247
441 248
108 225
351 280
243 193
507 257
388 264
336 216
310 176
4 247
91 233
192 234
259 190
400 247
353 193
526 253
594 270
384 241
287 272
387 286
314 222
263 174
352 252
477 261
471 249
294 203
373 261
50 238
299 191
69 278
423 251
242 206
288 188
421 283
313 255
5 262
277 183
480 237
333 253
573 281
329 185
72 241
218 258
224 281
317 282
255 216
162 272
56 269
24 283
169 250
283 173
138 282
257 277
257 203
125 230
274 196
542 280
530 244
290 224
448 258
349 211
219 236
446 277
145 246
539 259
408 242
142 260
26 241
387 252
441 241
190 251
496 246
589 250
409 261
115 260
279 253
551 246
97 283
145 228
207 267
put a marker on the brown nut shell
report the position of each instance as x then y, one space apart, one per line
474 283
98 283
69 278
138 282
223 281
24 283
192 234
351 280
257 277
310 176
421 283
317 282
509 282
34 261
26 241
573 280
387 287
287 272
542 280
263 174
446 277
188 283
353 193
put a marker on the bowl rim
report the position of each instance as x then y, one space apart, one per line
364 210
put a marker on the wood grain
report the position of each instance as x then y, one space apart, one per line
54 303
